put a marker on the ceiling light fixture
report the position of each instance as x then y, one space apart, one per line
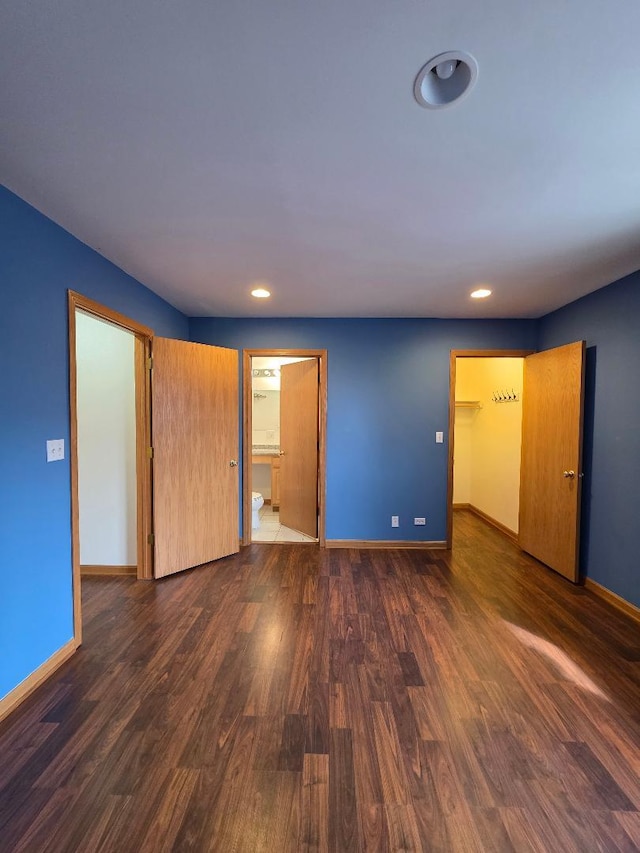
261 293
481 293
445 69
445 79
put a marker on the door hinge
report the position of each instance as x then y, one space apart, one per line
150 363
150 452
151 539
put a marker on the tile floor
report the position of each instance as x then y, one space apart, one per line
271 530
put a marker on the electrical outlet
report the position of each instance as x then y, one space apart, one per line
395 521
55 449
419 521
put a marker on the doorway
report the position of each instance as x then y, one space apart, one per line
106 415
551 455
284 432
80 308
187 512
485 414
488 438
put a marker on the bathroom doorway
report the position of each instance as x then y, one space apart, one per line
284 445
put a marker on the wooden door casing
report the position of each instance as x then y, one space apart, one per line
195 440
552 418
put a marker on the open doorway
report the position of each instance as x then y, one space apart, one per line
284 440
106 446
550 472
97 335
187 512
485 433
488 436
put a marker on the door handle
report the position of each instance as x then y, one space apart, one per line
282 453
569 475
233 463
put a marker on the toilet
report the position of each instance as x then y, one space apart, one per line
257 501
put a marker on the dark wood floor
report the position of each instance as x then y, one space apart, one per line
295 699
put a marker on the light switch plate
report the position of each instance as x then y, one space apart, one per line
55 449
439 437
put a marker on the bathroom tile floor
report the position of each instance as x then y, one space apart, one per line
271 530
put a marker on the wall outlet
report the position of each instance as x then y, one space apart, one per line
419 521
55 449
395 521
439 437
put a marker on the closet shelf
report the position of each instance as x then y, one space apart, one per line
468 404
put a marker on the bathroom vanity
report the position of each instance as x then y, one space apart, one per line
262 454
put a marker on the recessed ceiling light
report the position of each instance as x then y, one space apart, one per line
481 293
261 293
445 79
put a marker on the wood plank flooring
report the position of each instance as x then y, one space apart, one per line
293 699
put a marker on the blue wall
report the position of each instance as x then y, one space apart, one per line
609 321
388 394
38 262
388 388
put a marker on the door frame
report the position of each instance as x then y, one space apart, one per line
247 355
453 355
144 525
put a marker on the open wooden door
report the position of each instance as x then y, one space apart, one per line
195 453
551 474
299 446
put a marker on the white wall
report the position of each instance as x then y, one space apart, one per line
487 463
106 443
462 456
265 420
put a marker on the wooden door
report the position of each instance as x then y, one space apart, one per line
195 453
299 446
550 475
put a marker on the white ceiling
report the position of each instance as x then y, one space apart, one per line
204 146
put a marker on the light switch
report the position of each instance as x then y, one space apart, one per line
55 449
439 437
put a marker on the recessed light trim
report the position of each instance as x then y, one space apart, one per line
481 293
445 79
261 293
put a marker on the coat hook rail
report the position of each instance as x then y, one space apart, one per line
505 396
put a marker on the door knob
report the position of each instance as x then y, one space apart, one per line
282 453
233 463
569 475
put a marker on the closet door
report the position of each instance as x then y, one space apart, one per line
195 453
551 473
